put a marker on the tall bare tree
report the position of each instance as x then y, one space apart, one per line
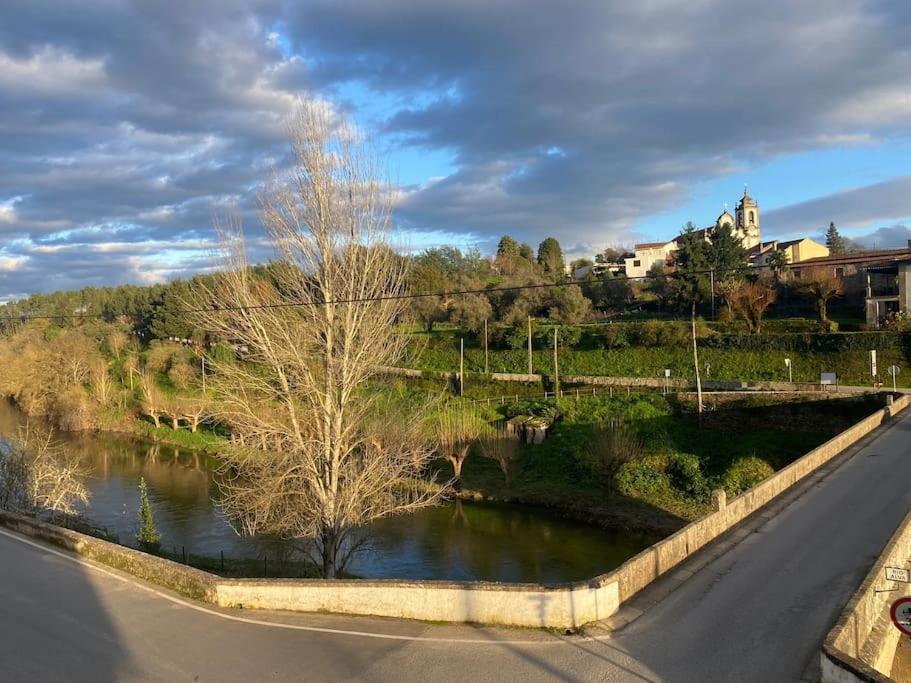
309 339
751 300
821 286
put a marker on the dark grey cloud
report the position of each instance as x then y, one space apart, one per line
855 208
888 237
124 125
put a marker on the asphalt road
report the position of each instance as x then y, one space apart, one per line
754 607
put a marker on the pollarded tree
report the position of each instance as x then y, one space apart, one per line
312 340
751 300
822 287
456 429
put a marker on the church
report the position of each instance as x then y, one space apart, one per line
745 225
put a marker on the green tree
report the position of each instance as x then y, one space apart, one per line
693 259
507 247
726 254
527 253
778 263
571 306
148 535
834 241
550 258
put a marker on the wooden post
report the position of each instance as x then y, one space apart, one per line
530 367
203 374
486 357
461 366
696 363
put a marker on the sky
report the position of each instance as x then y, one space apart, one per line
125 127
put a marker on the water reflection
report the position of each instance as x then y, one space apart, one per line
458 541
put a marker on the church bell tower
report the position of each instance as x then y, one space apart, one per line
747 220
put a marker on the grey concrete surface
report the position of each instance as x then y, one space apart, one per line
755 606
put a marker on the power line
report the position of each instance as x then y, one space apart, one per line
392 297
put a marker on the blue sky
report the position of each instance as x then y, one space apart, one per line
126 127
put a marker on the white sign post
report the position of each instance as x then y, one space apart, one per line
873 364
894 370
787 361
667 374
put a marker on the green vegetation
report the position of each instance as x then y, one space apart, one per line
643 461
148 536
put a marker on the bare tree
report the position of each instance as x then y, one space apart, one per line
313 334
612 445
36 476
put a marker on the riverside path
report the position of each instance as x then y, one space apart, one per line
754 606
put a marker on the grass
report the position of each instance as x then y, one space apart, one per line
203 439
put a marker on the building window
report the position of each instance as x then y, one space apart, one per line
637 263
796 273
839 273
752 218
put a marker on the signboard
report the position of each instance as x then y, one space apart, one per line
901 615
667 372
894 370
898 574
828 378
873 363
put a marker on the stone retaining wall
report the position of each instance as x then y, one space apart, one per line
534 605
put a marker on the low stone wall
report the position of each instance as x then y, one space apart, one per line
533 605
193 583
638 572
861 645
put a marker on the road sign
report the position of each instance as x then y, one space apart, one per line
901 615
873 363
667 372
898 574
828 378
894 370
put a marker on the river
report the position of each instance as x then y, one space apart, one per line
457 541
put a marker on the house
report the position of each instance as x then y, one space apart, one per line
796 251
881 277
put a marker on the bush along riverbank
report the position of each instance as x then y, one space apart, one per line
644 462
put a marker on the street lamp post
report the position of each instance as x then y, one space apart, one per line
787 362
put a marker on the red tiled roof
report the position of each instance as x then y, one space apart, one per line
860 257
651 245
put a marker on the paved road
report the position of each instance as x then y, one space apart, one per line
755 607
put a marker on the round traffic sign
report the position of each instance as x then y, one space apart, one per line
894 370
901 615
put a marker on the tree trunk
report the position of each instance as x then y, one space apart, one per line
457 461
155 419
329 539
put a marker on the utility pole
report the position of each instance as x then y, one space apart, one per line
530 367
556 369
461 366
203 374
696 363
486 357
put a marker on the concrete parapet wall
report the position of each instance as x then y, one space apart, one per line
530 605
861 645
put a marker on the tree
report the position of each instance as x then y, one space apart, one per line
821 286
726 254
611 255
456 429
834 241
751 300
148 536
502 449
312 341
778 263
570 306
550 258
692 286
469 311
36 476
526 253
507 247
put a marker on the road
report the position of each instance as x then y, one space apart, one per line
754 607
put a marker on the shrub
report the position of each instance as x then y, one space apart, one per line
685 474
643 478
744 474
148 535
615 337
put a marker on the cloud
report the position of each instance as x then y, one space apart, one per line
130 124
891 237
854 208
